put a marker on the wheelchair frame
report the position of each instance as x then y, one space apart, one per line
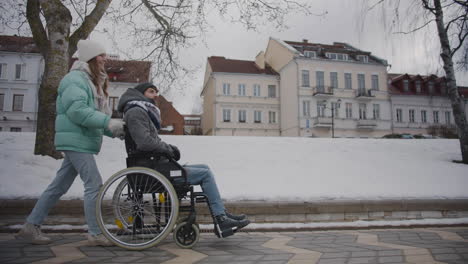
145 205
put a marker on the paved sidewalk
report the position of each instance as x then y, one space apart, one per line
428 245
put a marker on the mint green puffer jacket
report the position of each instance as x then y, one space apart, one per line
79 126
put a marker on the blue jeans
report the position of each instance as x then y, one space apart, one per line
200 174
74 163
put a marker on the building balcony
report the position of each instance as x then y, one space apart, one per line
322 121
363 94
323 91
366 123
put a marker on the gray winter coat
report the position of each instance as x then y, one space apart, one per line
139 124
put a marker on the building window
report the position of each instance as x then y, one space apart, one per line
362 58
405 85
19 71
305 78
1 129
306 108
113 102
272 117
3 69
399 115
256 90
362 111
361 83
435 115
348 81
418 86
320 81
307 123
18 102
411 115
430 86
320 109
423 116
241 90
226 89
15 129
272 91
337 56
349 110
376 111
227 115
310 54
334 80
242 116
375 82
2 99
257 116
447 117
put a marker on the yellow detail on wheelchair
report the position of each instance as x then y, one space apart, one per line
162 198
119 224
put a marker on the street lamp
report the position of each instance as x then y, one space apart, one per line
333 107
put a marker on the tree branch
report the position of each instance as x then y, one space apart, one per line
88 25
37 28
416 29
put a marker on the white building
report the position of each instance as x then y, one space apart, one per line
316 78
420 102
21 68
240 98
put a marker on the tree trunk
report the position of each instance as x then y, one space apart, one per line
58 20
456 100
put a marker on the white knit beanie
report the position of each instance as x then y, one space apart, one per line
88 49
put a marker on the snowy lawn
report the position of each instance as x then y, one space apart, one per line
272 168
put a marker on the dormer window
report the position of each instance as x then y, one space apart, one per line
362 58
430 86
310 54
418 86
337 56
405 85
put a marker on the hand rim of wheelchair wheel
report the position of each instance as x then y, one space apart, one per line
185 235
162 230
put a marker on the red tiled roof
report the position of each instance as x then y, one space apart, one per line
221 64
128 71
18 44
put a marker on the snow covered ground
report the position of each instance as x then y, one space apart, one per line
272 168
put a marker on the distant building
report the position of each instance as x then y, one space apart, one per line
172 120
192 125
241 98
420 102
21 69
124 75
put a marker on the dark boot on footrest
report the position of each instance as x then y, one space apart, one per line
235 217
227 226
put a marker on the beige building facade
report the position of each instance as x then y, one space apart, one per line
240 99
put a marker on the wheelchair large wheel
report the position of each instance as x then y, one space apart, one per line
137 208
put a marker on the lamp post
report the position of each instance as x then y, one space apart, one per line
333 107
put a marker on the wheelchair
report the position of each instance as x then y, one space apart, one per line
138 207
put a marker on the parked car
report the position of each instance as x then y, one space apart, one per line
407 136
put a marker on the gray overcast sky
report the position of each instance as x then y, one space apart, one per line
415 53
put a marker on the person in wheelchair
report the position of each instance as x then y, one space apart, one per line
143 121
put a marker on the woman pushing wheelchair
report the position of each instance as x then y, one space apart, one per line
143 121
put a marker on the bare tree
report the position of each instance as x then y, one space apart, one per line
451 20
160 28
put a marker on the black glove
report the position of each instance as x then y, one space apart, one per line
175 152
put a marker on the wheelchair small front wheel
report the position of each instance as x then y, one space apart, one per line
137 208
186 235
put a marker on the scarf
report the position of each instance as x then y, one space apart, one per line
101 101
153 111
